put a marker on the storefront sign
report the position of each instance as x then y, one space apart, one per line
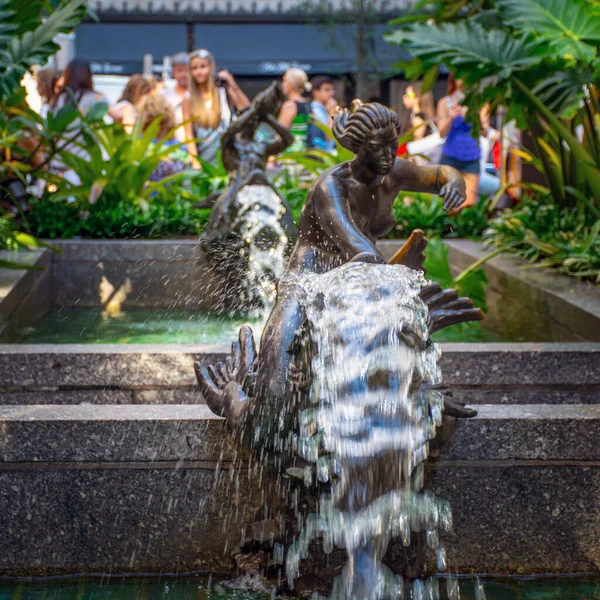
281 66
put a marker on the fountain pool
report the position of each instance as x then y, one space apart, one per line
148 326
202 587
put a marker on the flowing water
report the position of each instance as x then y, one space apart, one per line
259 223
367 430
254 248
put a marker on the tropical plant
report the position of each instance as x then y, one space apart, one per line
537 59
541 60
426 212
211 179
547 236
114 196
470 284
111 164
27 32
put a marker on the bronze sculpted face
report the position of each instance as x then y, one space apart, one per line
378 151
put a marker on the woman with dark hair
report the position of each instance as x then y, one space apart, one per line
348 208
125 111
78 87
78 90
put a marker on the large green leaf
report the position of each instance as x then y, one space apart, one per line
563 91
26 14
572 27
36 45
471 284
7 27
468 48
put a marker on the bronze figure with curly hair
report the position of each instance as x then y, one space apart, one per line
348 208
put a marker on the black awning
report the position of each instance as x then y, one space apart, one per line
251 49
270 49
119 48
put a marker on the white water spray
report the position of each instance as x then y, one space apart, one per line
372 413
258 222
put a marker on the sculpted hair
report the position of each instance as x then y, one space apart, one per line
352 127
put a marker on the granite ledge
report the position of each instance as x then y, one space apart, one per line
113 433
170 366
547 432
100 412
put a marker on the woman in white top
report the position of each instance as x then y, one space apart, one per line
206 112
77 90
124 111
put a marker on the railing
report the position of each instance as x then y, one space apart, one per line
250 7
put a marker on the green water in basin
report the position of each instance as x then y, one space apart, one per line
200 588
141 326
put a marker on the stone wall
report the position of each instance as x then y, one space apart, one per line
137 488
531 302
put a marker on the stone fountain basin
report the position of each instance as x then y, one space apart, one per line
525 304
108 455
97 488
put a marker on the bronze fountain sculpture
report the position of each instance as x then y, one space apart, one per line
250 215
265 395
347 209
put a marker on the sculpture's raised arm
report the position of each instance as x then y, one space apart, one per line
433 179
285 137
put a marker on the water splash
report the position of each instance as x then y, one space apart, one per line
263 243
372 413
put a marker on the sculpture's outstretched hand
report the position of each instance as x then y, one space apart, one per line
453 194
446 308
457 409
222 384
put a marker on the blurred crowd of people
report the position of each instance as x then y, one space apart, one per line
442 135
204 100
198 108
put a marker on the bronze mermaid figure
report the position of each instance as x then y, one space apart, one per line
245 156
348 208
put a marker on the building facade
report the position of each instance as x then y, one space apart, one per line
257 40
